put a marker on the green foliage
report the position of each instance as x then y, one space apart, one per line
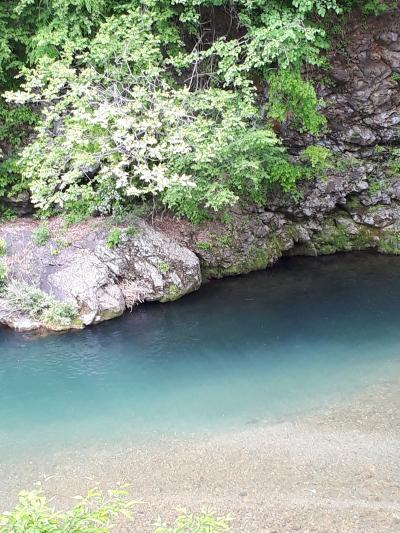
41 234
13 121
97 512
114 238
293 99
189 523
92 514
230 161
395 76
202 245
15 125
318 157
39 305
393 163
374 186
3 247
164 267
131 231
6 214
389 243
373 7
11 181
141 100
3 274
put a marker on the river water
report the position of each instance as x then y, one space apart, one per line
260 348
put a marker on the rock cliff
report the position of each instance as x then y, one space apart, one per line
354 204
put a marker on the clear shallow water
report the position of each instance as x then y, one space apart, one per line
266 346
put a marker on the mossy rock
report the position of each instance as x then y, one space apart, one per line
172 293
389 243
343 237
257 257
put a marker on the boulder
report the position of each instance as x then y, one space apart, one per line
101 282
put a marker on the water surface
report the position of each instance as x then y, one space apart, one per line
258 348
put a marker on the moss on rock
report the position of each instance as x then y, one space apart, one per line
343 235
389 242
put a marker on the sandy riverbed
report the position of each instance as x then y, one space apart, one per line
331 471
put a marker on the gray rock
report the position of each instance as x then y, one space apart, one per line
20 204
360 135
101 282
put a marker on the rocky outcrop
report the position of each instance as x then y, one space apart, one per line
354 204
99 280
340 212
363 105
361 91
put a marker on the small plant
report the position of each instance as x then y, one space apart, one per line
41 235
131 231
39 305
3 274
189 523
202 245
3 247
164 267
114 238
393 163
59 314
318 157
389 243
374 7
224 240
92 514
374 186
395 77
7 214
379 149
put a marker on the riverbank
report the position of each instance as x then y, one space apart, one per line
334 470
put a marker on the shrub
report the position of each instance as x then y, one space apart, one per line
92 514
39 305
130 112
59 314
373 7
294 99
114 238
41 235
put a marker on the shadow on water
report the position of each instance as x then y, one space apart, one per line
265 346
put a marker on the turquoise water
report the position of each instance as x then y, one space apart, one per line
263 347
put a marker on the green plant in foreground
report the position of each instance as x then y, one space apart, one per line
114 238
206 522
92 514
95 513
41 235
